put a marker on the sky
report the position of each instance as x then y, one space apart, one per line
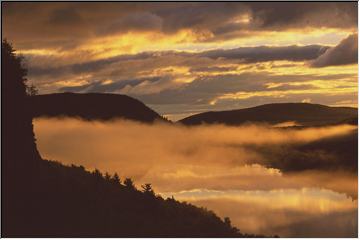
185 58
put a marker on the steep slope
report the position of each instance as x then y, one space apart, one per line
92 106
68 201
302 113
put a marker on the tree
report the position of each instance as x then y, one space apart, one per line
227 221
147 188
97 173
129 183
14 78
107 176
31 90
115 179
19 148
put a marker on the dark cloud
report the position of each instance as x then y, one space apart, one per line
138 21
345 52
64 16
204 16
276 15
95 65
263 53
76 21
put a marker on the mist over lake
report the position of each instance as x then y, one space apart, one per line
219 167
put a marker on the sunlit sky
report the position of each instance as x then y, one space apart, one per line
184 58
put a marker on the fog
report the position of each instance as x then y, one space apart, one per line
219 167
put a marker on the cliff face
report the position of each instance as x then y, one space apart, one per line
19 153
17 126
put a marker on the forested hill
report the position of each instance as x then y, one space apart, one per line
92 106
303 113
68 201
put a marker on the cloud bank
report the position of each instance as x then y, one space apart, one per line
193 154
345 52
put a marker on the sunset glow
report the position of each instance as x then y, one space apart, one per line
180 119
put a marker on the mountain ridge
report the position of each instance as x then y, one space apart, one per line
275 113
92 106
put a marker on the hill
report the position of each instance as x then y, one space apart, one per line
302 113
91 106
68 201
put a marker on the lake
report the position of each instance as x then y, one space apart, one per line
235 171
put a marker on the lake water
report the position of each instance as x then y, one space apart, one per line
217 167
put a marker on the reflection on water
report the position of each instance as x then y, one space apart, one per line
287 212
212 166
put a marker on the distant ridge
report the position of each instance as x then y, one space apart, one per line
92 106
302 113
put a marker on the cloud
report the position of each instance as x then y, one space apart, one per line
282 15
205 152
179 68
65 16
51 23
345 52
263 53
108 87
242 54
138 21
189 77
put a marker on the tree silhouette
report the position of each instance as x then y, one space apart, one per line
107 177
17 122
97 173
20 157
227 221
115 179
32 90
147 188
129 183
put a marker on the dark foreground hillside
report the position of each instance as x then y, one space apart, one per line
64 201
303 113
46 199
91 106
